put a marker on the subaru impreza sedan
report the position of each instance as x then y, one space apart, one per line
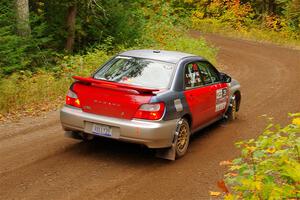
150 97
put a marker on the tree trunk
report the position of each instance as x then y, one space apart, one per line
271 7
22 14
71 20
264 5
295 11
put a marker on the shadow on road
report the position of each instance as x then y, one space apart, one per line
120 151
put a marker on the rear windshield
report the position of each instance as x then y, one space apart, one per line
137 71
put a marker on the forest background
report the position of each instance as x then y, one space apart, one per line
43 43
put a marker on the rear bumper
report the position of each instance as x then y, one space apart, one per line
153 134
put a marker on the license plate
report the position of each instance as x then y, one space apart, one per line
102 130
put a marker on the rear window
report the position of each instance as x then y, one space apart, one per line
137 71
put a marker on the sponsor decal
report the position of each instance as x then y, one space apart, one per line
178 105
106 103
220 106
221 98
87 107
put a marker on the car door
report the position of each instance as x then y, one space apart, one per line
218 90
197 95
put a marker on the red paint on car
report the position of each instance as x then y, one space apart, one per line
109 102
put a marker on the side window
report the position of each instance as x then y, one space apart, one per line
205 73
192 76
209 73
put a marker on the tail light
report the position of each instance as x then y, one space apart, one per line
72 99
150 111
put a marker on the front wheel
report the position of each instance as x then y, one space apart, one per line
183 138
232 110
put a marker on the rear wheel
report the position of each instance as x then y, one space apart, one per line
183 138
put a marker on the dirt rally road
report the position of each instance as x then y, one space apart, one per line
38 162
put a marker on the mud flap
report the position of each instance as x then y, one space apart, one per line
169 153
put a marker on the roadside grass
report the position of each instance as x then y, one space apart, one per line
23 95
197 46
26 93
285 38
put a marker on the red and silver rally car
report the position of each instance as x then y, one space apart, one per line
150 97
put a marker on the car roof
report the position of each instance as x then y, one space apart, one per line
162 55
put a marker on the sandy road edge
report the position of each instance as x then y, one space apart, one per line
28 125
245 39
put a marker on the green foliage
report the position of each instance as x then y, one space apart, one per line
97 22
81 65
120 24
27 93
119 20
197 46
276 21
22 53
31 92
288 37
233 13
125 22
162 24
102 30
269 166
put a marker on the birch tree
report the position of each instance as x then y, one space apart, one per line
22 17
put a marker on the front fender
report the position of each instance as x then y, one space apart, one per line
234 86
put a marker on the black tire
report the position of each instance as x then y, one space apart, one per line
183 138
232 110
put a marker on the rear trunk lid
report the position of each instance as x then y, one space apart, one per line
109 98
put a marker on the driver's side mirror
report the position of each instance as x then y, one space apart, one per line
225 78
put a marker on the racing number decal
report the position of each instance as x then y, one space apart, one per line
221 95
178 105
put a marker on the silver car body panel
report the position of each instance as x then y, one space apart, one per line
153 134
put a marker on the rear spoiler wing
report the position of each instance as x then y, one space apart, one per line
109 84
